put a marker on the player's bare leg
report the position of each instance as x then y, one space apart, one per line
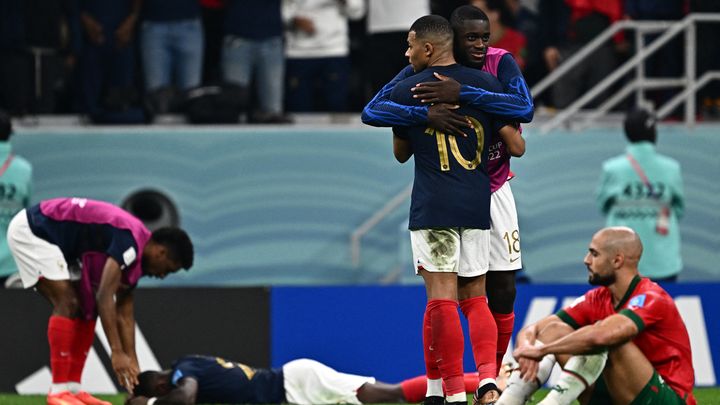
626 373
501 292
379 392
61 295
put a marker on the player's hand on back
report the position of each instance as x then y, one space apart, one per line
444 119
445 90
125 369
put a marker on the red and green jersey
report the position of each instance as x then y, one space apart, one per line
662 335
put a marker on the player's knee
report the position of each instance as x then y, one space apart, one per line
66 304
553 331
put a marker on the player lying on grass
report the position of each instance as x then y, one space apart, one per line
628 330
206 379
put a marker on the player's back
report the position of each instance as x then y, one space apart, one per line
225 382
451 187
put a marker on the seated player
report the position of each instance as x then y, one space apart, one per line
206 379
627 330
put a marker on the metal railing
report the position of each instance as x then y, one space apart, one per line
357 235
640 83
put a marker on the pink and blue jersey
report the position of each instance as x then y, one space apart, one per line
88 232
514 105
498 164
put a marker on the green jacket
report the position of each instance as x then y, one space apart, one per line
15 191
623 197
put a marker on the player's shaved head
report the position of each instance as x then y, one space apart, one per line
622 240
434 29
467 13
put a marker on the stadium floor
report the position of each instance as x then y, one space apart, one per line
705 396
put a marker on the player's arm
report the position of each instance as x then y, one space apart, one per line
526 341
109 285
184 393
514 104
613 330
126 324
402 149
382 112
514 141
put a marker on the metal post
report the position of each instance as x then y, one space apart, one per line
640 69
690 73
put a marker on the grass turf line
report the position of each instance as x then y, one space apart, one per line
704 396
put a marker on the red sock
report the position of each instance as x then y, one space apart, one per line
471 382
431 367
505 323
84 336
448 345
414 388
483 335
61 332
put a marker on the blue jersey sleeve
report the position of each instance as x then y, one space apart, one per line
382 112
516 104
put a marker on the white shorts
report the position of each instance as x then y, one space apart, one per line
309 382
35 257
451 250
504 231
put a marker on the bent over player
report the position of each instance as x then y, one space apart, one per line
86 257
620 343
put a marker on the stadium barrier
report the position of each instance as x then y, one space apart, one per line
278 205
360 329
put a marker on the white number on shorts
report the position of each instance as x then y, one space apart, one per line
513 241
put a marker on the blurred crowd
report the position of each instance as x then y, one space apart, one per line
122 61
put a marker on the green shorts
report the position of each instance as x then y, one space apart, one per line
655 392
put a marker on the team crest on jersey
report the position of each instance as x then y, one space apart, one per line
637 301
129 255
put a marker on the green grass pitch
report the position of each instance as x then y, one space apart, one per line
705 396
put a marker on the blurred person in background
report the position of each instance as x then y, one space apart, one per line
107 62
39 46
253 54
643 190
171 44
668 60
708 58
213 16
317 48
86 258
15 192
504 36
567 26
387 22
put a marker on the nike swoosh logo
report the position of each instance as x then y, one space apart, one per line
514 260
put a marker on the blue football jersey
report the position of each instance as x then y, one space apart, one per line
451 186
225 382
